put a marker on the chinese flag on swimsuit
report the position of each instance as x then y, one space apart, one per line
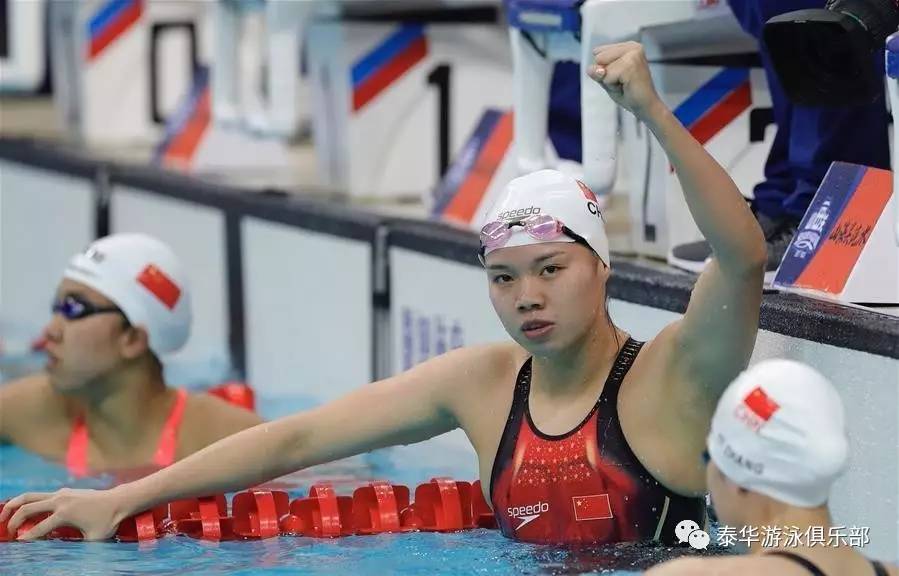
593 507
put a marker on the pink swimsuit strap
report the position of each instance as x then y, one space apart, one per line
76 455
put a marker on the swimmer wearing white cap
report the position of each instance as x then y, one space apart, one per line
777 444
623 415
102 402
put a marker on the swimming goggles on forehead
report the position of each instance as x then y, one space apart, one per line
73 307
541 227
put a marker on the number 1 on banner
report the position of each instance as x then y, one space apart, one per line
440 77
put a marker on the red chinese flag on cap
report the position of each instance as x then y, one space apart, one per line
593 507
588 194
759 402
160 285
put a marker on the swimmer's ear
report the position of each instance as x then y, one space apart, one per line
135 342
603 269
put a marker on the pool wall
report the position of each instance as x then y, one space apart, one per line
313 298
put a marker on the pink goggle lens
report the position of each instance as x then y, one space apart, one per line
543 227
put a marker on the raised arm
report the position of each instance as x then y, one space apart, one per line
407 408
715 338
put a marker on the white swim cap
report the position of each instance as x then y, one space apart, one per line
551 193
779 430
144 278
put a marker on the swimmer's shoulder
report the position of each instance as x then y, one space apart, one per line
485 365
478 376
30 386
28 403
208 418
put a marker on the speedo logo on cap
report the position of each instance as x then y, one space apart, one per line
519 213
756 409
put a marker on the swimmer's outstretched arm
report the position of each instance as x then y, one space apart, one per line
714 340
410 407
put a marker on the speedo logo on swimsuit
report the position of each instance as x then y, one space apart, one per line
519 213
527 514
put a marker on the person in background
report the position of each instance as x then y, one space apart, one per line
807 141
102 403
776 446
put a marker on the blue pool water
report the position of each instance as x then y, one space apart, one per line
470 552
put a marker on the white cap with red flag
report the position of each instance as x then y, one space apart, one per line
779 430
551 193
144 278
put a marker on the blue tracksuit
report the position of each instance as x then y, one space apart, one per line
808 138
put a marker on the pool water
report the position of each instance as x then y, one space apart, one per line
470 552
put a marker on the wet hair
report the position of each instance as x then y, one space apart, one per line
155 364
606 302
611 324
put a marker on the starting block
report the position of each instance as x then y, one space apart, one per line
193 141
545 31
844 247
22 45
256 79
725 105
727 109
393 102
120 67
487 162
892 58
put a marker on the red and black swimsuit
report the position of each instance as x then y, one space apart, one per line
583 487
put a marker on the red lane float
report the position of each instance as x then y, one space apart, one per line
205 518
444 505
236 393
377 507
481 512
148 525
323 514
256 513
441 505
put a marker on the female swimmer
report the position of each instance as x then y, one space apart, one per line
102 402
776 446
